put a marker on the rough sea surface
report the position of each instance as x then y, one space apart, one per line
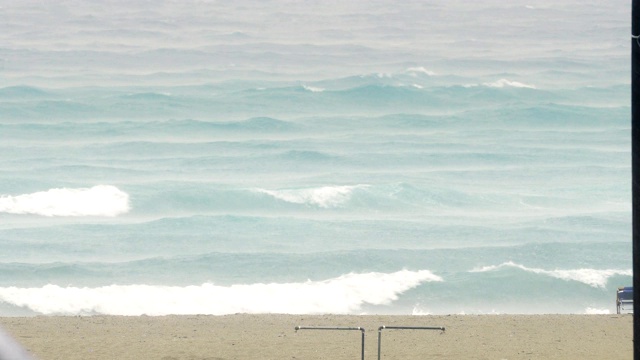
378 157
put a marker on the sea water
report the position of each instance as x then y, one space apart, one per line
361 157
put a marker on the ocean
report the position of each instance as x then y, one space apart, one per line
311 157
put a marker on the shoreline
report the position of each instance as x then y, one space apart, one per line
273 336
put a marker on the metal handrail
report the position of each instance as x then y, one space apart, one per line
441 328
334 328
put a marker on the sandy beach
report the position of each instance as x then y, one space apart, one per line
274 337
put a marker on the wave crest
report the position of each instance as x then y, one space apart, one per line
592 277
100 200
342 295
313 88
502 83
414 71
324 197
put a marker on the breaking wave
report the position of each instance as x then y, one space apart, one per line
414 71
100 200
313 88
507 83
341 295
592 277
502 83
324 197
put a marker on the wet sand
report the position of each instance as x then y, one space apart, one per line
274 337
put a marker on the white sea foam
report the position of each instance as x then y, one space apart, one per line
313 88
594 311
101 200
419 311
592 277
414 71
502 83
324 197
507 83
341 295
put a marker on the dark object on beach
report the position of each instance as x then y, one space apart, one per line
624 299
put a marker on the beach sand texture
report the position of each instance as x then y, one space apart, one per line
246 336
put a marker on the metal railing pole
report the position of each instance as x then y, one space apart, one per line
441 328
635 167
334 328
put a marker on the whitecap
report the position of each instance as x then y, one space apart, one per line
592 277
100 200
502 83
341 295
324 197
414 71
312 88
508 83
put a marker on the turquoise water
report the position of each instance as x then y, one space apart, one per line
293 157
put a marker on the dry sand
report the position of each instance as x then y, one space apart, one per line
273 337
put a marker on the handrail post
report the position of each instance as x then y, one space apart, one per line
335 328
635 167
379 340
441 328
